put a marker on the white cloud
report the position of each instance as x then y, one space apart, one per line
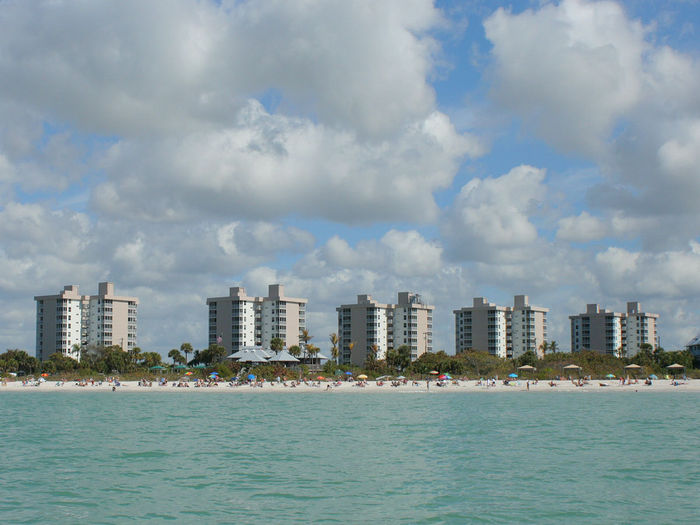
490 218
581 228
270 165
572 69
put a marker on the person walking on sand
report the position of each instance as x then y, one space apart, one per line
427 385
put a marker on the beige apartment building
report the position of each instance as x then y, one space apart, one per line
68 320
614 333
528 327
501 330
368 323
239 320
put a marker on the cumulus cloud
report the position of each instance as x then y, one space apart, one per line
581 228
572 69
134 67
591 81
271 165
489 219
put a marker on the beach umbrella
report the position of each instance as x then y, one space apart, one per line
348 373
513 375
44 375
251 376
157 367
653 376
442 376
401 377
188 373
610 376
362 376
675 367
180 367
434 372
320 378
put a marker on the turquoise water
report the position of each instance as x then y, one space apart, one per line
104 457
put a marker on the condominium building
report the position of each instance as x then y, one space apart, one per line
639 328
413 324
528 327
615 333
240 320
59 323
481 326
68 320
370 325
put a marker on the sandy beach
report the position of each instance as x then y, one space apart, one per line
471 386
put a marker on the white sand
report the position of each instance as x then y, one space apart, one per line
691 385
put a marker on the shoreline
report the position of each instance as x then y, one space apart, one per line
472 386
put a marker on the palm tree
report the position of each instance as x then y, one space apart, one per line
334 348
553 347
176 356
306 338
544 347
186 348
351 345
312 350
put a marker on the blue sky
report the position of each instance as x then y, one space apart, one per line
453 149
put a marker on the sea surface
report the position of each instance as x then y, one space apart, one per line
188 457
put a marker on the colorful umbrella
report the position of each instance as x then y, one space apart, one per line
362 376
434 372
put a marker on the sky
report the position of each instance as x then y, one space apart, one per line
451 149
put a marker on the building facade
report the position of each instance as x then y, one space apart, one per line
239 320
527 327
639 328
614 333
370 325
68 320
482 326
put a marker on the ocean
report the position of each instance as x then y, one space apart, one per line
103 457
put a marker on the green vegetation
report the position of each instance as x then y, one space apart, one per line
135 364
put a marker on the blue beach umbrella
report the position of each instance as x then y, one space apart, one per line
251 376
348 373
610 376
512 375
653 376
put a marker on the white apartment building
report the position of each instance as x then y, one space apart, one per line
527 327
68 319
239 320
59 323
608 332
482 326
369 323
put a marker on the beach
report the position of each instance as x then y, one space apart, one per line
329 387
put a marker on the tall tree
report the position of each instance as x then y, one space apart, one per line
176 356
305 337
544 347
334 349
276 344
553 347
295 351
186 348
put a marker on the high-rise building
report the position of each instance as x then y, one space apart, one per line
111 319
614 333
68 320
365 324
481 326
639 328
371 325
59 323
528 327
413 324
238 320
